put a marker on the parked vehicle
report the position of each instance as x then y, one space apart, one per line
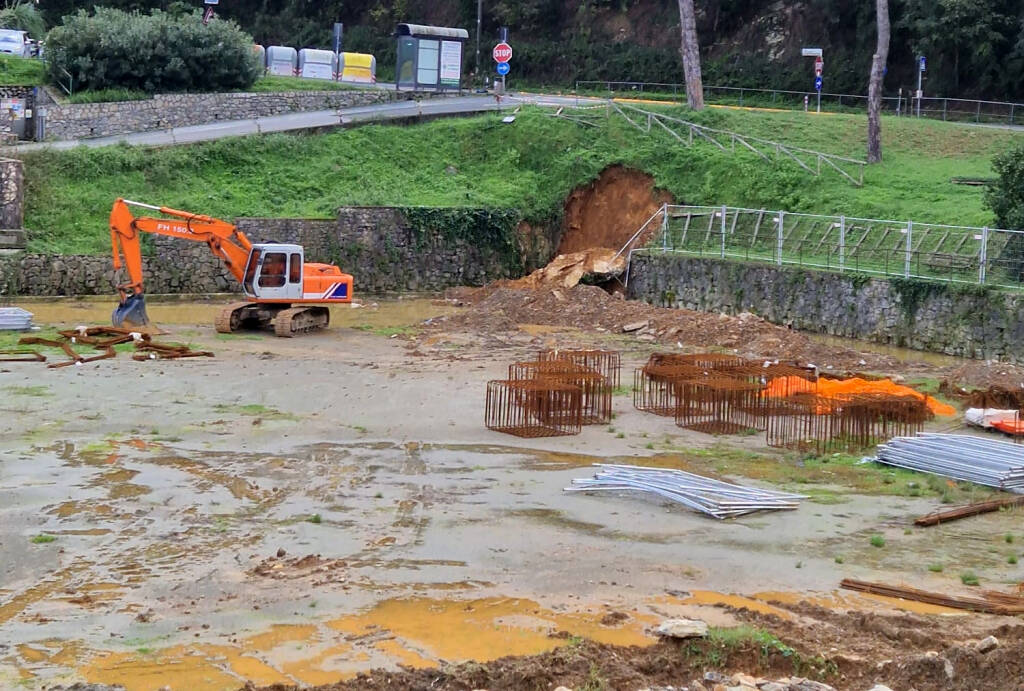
14 42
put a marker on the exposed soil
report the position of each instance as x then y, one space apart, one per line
493 310
609 210
847 650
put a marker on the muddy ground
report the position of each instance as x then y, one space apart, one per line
300 511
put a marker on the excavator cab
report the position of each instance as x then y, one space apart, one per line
274 272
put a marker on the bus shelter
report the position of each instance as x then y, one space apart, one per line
429 57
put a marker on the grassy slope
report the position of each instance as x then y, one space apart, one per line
21 71
531 164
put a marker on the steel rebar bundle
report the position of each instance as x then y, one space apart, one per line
988 462
705 495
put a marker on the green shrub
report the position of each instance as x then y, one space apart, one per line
23 16
111 49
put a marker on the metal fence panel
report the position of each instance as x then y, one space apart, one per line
904 249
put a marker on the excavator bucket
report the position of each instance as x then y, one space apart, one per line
131 312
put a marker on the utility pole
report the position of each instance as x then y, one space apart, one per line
479 16
920 72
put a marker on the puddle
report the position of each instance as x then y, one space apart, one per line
388 313
905 355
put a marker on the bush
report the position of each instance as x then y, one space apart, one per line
23 17
111 49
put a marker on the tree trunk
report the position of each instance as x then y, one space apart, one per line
691 55
875 85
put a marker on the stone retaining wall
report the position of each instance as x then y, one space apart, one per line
164 111
384 248
965 320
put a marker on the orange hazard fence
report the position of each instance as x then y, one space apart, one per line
837 389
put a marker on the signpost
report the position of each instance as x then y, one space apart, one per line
819 68
921 65
338 29
502 53
208 12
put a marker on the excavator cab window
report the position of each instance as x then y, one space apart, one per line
295 269
272 275
250 272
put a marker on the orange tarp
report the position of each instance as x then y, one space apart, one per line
781 387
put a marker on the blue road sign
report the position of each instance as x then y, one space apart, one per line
503 68
922 63
817 83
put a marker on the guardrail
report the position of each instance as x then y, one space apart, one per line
939 108
901 249
813 162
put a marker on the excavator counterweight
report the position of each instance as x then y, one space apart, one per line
283 292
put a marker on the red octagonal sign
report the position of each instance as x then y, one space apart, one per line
502 52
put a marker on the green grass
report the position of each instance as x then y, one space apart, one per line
107 95
253 410
530 165
16 71
274 83
968 578
877 541
935 568
42 539
36 391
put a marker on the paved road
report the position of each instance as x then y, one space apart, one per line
382 112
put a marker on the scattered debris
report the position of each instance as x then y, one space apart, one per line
103 339
966 511
991 602
988 462
682 628
711 497
987 644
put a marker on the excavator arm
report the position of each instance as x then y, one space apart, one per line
225 241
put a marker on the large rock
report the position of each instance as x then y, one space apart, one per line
682 628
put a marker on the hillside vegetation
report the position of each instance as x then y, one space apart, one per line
531 164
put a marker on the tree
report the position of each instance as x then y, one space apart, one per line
691 55
21 15
878 61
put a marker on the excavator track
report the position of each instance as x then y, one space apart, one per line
299 320
231 318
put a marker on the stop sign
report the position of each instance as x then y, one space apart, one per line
502 52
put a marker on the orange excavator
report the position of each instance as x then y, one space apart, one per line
283 292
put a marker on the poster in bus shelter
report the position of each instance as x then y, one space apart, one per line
451 63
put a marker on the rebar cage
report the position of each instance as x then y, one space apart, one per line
533 408
594 387
607 363
720 405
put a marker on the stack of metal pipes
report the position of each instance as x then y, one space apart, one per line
986 462
711 497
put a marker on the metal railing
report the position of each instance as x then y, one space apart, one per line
903 249
905 104
686 132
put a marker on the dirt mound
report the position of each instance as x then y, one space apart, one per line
497 308
568 270
609 210
983 374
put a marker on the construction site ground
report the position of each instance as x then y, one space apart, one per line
301 511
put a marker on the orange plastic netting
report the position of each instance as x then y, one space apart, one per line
780 387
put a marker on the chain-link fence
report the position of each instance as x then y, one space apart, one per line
907 249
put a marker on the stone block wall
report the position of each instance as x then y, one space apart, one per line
12 194
164 111
965 320
384 248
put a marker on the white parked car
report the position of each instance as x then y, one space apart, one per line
14 42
